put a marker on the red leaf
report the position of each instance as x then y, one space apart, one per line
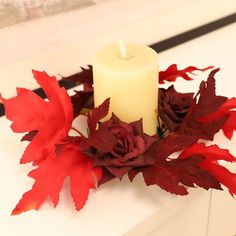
50 175
164 179
225 109
212 154
52 119
208 101
172 73
173 143
82 99
173 174
29 136
97 114
223 175
83 77
230 125
207 104
161 151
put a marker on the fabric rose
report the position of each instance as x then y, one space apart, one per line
129 144
173 106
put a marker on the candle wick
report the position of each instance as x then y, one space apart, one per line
123 50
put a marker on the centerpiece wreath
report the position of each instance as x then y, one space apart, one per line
176 158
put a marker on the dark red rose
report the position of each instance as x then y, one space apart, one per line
129 145
173 106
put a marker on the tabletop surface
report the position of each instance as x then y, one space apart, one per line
118 206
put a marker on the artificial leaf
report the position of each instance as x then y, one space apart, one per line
228 108
175 174
205 103
172 73
172 143
211 153
161 151
52 119
82 99
106 176
230 125
223 175
29 136
97 114
211 156
85 76
190 173
208 101
164 179
171 174
50 175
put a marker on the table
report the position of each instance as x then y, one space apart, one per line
123 208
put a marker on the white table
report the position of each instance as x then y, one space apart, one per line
123 208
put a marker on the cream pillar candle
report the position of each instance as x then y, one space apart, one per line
128 75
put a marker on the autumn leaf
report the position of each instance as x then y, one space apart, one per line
163 177
205 103
228 108
174 175
97 114
50 175
172 73
212 154
82 99
85 76
230 125
29 136
172 143
51 119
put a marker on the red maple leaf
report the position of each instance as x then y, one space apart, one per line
100 138
172 73
175 174
50 175
29 136
51 119
211 153
228 108
83 77
210 163
97 114
205 103
82 99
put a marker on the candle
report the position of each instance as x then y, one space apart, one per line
128 75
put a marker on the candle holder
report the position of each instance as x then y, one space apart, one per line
175 158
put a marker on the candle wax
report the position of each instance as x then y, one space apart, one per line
131 83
